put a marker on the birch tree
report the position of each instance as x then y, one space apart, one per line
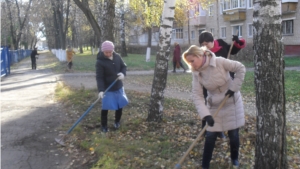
161 64
270 150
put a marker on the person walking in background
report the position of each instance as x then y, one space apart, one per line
177 58
110 66
212 73
70 54
220 48
33 58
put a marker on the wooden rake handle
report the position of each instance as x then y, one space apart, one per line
178 165
228 55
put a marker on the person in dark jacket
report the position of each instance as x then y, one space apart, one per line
109 67
177 58
220 48
33 58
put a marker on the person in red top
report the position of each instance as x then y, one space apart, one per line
177 58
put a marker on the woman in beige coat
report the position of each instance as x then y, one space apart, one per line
212 73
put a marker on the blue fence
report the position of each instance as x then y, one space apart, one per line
9 57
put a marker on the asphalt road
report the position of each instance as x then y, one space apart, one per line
29 118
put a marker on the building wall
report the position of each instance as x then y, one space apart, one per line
217 21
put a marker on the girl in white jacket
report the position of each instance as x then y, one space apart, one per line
212 73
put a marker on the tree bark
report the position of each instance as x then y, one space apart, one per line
270 149
108 20
161 64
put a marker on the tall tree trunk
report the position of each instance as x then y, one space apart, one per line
65 31
108 20
161 64
270 149
148 53
123 42
84 6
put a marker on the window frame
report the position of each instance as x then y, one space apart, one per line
240 29
177 33
284 25
248 31
221 33
211 10
234 4
249 4
193 35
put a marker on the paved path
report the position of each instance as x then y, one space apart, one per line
29 116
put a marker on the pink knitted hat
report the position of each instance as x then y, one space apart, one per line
107 46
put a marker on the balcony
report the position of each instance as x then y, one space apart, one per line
198 21
289 7
234 15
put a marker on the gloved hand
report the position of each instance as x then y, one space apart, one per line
121 76
230 93
210 121
101 95
235 38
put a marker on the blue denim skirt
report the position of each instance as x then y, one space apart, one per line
114 100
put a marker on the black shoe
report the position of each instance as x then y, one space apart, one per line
235 163
117 125
174 71
104 129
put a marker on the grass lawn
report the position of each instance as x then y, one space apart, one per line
85 62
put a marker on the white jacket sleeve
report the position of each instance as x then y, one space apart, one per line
198 97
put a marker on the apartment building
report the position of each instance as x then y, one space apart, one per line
225 17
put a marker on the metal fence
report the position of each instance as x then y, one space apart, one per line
9 57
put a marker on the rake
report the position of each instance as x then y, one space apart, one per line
61 139
178 165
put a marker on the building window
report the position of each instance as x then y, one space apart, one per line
250 3
221 8
186 35
223 32
200 31
231 4
212 30
250 30
287 27
226 4
210 10
192 34
177 34
237 28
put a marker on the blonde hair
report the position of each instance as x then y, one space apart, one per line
195 51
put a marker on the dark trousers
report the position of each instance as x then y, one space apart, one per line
174 66
33 62
118 115
209 145
70 64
